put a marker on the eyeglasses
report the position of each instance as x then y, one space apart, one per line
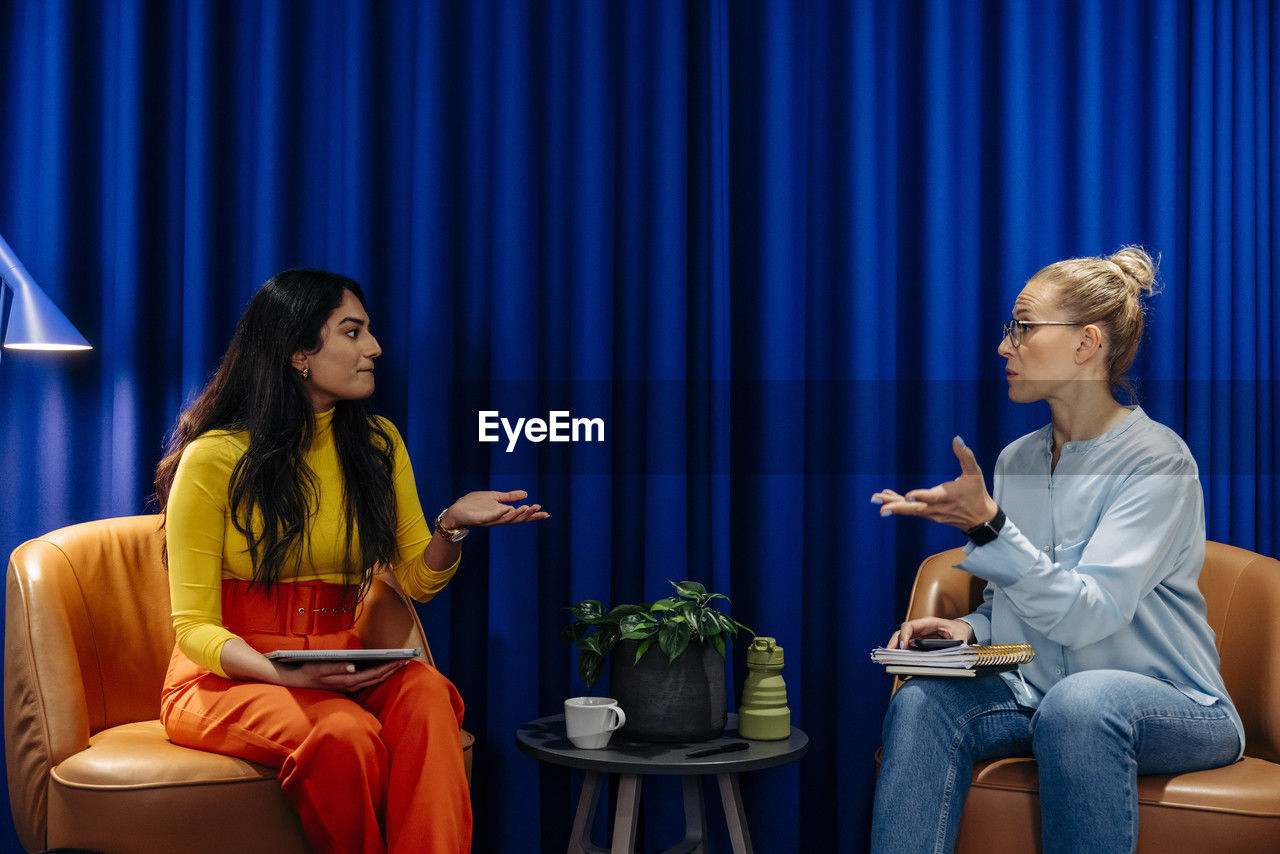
1015 329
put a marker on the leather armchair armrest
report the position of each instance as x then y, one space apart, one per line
46 715
387 618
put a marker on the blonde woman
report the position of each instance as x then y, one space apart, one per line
1091 546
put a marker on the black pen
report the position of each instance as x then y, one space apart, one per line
719 748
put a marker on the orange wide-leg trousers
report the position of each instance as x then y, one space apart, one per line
387 756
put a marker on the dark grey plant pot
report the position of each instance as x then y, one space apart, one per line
680 701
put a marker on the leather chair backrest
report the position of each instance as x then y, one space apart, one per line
88 636
1242 591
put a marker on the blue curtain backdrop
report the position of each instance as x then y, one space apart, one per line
770 243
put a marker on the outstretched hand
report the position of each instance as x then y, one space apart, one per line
486 509
962 503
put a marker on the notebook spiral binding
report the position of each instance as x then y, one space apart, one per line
1007 653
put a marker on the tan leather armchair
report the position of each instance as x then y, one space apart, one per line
1224 810
87 641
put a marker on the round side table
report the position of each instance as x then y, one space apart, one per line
544 739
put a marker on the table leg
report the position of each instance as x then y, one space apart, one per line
626 814
695 817
731 796
580 837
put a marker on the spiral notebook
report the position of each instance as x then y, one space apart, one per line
963 660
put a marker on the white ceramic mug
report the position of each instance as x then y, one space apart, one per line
590 721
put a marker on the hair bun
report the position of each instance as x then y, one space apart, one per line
1138 268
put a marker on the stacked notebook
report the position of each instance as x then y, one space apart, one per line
962 660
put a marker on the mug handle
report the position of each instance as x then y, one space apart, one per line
622 718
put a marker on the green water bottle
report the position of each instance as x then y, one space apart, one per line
764 715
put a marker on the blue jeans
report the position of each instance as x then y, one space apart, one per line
1093 734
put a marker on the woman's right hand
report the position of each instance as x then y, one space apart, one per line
335 675
930 627
243 662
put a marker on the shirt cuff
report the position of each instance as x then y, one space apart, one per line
1004 560
422 582
981 625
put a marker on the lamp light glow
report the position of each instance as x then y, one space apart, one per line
35 323
26 346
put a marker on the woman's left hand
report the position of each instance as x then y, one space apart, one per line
962 503
486 509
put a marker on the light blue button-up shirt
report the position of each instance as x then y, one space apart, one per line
1097 566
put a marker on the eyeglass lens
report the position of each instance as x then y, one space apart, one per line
1013 331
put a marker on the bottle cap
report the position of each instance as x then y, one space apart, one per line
764 652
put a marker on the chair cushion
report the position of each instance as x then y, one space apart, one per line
1224 810
133 783
139 755
1248 787
133 789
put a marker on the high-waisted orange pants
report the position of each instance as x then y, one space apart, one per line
387 756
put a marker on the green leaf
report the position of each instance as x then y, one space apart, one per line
672 640
642 648
573 631
590 664
590 643
718 596
664 604
647 630
609 635
691 614
626 610
588 610
689 589
636 622
718 640
731 625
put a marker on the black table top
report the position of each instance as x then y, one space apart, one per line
544 739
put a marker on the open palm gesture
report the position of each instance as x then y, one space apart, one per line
962 503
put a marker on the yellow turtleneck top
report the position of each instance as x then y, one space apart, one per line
204 546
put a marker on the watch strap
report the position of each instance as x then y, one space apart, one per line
453 535
982 534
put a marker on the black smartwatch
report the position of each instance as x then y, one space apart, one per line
982 534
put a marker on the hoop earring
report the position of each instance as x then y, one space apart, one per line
306 373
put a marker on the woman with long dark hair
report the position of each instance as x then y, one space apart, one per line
281 494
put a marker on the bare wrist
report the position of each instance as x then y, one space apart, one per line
989 511
280 674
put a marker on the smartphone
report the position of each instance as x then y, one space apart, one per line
931 644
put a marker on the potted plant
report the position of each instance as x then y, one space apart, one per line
674 692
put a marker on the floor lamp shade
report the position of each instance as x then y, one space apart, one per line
35 323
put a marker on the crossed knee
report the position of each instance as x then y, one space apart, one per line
1079 710
908 708
916 712
346 736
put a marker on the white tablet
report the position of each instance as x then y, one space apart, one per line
366 657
